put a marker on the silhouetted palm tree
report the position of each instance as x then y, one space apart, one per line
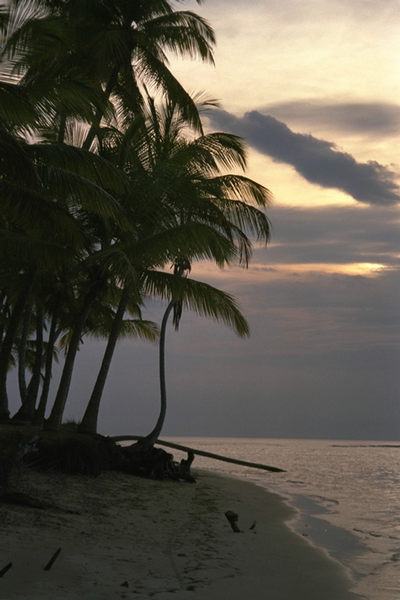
217 207
110 188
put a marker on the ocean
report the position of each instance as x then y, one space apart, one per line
346 496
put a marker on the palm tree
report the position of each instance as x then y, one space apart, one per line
131 263
138 327
205 300
162 196
68 63
67 75
17 305
35 230
42 234
213 210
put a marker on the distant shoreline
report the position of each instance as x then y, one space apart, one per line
128 537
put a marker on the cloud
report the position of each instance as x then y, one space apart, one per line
377 118
317 160
333 235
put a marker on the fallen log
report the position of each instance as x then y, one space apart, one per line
236 461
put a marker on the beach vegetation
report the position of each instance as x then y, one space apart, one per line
107 181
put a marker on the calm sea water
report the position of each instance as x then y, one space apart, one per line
347 496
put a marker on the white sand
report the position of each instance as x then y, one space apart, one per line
165 540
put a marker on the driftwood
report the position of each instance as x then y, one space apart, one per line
236 461
156 463
233 520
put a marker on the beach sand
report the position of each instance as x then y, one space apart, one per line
135 538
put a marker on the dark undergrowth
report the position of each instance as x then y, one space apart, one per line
68 451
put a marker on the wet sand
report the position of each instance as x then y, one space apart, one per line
128 537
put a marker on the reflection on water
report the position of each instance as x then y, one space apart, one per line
347 494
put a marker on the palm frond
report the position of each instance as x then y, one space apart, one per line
227 149
200 297
23 249
142 329
115 261
83 163
194 240
16 109
155 72
183 33
241 188
30 212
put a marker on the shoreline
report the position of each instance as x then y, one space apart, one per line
128 537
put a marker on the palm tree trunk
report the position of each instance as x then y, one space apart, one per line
53 334
151 438
34 385
8 341
27 410
5 314
54 421
89 421
22 351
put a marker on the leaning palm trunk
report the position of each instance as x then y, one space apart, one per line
152 437
53 334
22 351
4 315
34 384
8 341
181 269
27 409
56 415
89 421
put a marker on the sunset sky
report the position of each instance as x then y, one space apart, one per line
314 88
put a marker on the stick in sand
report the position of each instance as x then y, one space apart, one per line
5 569
233 519
51 561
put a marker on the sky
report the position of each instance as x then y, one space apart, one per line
314 89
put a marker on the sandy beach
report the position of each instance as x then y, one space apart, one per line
127 537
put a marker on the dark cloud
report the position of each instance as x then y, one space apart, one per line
333 235
376 118
318 161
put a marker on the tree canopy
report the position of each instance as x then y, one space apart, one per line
107 178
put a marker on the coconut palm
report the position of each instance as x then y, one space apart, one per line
152 195
206 300
132 263
157 236
41 190
67 74
66 63
40 233
214 212
114 328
